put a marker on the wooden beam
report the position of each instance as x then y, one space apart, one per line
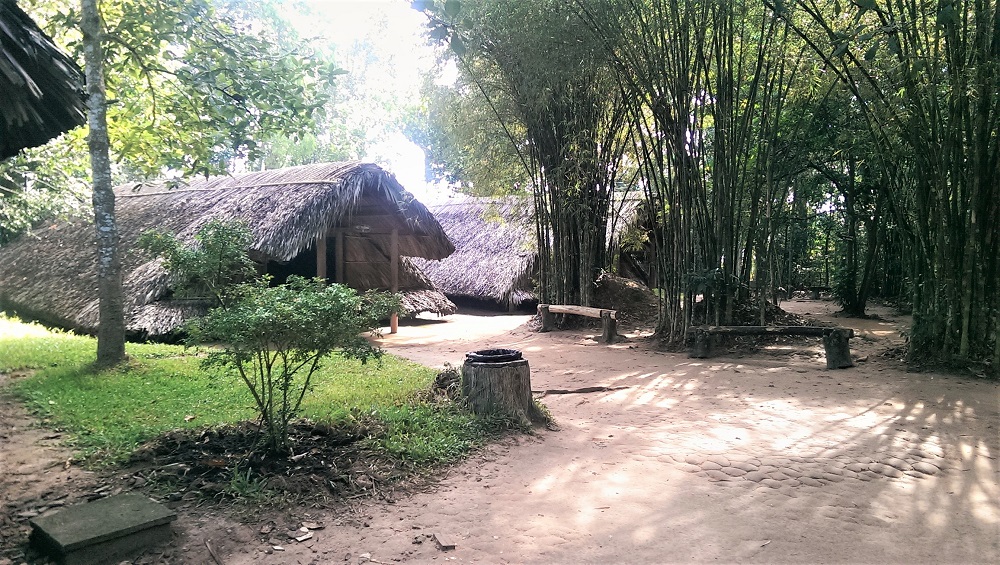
394 267
321 256
580 310
817 331
339 267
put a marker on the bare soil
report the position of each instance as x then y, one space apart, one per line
751 456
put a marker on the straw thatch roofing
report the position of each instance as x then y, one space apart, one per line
495 249
42 87
50 274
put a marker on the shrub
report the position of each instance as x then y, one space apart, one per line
275 338
212 268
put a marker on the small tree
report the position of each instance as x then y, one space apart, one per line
273 338
276 337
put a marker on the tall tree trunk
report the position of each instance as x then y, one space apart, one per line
871 253
111 326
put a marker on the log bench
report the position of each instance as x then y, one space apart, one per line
835 340
609 323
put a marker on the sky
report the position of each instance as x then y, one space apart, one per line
397 29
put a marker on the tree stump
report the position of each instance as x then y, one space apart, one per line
609 327
838 349
546 318
500 388
702 345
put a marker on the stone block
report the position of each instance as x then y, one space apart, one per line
103 531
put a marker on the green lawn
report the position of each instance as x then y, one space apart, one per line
108 413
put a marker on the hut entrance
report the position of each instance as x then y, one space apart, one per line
303 265
355 260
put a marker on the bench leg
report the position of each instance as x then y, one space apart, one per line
610 328
702 348
838 350
546 317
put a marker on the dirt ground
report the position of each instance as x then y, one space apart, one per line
741 458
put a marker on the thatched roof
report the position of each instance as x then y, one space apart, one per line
42 92
50 273
495 249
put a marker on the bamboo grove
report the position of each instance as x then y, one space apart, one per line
777 145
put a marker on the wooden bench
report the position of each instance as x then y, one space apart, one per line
835 340
609 323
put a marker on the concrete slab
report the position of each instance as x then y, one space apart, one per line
103 530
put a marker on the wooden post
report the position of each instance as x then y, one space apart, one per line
501 389
609 327
546 317
394 267
838 349
339 267
321 256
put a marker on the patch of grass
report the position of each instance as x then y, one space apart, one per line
427 434
342 384
33 346
244 486
109 413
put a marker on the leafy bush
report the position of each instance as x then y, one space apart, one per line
213 267
272 337
275 338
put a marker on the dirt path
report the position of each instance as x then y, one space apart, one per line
762 458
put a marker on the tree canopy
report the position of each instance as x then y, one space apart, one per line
193 87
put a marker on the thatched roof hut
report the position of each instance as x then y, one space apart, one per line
42 87
495 249
495 246
354 217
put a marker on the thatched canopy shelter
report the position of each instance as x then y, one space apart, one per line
349 222
495 251
42 92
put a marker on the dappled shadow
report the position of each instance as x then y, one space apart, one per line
769 457
670 462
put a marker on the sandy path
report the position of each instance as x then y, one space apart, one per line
762 458
766 458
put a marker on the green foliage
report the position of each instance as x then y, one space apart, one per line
374 94
276 337
193 86
43 182
108 414
214 266
199 83
465 144
547 82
